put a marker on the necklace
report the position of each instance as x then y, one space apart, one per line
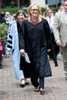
34 21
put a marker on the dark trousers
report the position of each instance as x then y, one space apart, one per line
0 55
35 83
41 81
54 50
4 45
54 54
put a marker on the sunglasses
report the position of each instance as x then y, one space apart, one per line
49 12
34 9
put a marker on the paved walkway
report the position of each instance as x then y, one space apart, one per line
56 86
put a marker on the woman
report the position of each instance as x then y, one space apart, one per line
13 44
34 39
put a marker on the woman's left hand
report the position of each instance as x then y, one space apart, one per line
48 50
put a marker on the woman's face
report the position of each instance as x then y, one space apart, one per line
20 18
34 11
65 6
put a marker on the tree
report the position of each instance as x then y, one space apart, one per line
0 4
18 2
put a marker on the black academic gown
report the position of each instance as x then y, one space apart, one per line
35 39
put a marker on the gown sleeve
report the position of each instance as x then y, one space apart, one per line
21 37
48 33
10 39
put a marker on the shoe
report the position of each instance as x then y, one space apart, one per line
26 83
42 91
56 64
22 85
0 64
37 89
0 67
66 78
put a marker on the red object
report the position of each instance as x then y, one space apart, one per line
0 54
1 49
34 22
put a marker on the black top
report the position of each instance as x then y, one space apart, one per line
18 27
38 33
2 20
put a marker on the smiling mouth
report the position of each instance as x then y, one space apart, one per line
20 18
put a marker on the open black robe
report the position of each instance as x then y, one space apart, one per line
35 39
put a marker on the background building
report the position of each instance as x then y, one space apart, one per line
25 3
40 2
54 2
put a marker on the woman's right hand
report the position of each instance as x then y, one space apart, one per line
22 51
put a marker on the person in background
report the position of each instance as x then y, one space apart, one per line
60 33
13 44
34 39
7 14
54 48
2 20
2 17
61 8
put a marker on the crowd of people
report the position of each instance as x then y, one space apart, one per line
34 40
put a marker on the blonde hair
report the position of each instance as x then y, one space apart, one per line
39 11
8 19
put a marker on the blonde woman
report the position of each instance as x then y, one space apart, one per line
34 39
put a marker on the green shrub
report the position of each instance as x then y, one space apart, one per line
43 9
54 8
3 31
13 10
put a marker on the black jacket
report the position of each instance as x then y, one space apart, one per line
2 20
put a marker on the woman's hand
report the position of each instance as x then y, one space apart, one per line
22 51
48 50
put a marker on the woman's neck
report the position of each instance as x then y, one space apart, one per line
34 18
20 23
